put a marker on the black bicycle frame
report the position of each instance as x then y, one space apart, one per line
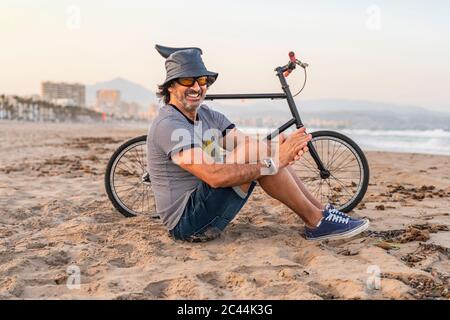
291 103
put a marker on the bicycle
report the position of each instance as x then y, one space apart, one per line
340 177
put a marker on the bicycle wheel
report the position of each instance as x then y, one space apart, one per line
349 171
127 181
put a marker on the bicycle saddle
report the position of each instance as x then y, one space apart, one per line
167 51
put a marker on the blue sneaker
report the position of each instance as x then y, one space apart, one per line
335 226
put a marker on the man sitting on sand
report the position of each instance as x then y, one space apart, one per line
197 191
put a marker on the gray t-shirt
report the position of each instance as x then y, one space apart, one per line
171 132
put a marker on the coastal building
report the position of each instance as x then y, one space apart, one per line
57 92
108 100
128 110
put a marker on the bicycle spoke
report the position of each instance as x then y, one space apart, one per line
129 183
135 197
128 189
328 153
329 158
338 181
131 157
337 158
143 152
334 154
330 190
123 184
321 150
348 166
136 156
122 175
321 193
142 202
129 194
148 199
124 164
311 165
124 189
336 164
344 161
316 189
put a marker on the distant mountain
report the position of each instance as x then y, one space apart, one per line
358 114
130 91
314 106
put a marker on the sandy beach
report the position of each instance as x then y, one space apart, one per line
55 216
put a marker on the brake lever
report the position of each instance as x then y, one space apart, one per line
302 64
290 67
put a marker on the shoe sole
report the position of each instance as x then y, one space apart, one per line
344 235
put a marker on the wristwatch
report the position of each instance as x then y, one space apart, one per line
270 167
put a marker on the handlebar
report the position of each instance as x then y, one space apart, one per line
287 69
292 56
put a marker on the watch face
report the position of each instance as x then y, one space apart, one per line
270 167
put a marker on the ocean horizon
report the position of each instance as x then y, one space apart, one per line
436 141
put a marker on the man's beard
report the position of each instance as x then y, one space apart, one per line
191 105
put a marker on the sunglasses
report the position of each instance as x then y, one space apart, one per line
203 80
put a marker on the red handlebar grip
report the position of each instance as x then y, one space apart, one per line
292 56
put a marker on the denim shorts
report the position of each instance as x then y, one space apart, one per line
208 211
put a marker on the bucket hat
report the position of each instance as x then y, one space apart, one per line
186 63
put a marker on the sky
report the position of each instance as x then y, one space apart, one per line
388 51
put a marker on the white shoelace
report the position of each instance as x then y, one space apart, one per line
336 211
333 217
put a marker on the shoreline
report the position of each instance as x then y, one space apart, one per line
142 128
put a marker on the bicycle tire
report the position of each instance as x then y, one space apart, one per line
364 171
109 176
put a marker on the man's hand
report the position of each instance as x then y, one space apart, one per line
293 147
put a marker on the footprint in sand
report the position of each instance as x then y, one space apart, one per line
172 289
324 291
121 263
57 258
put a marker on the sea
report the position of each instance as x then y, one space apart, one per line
436 141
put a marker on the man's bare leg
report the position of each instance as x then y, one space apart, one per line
305 191
283 187
300 184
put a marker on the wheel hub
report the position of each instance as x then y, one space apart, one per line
146 179
325 174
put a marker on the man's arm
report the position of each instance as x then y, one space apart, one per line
255 149
234 172
217 175
258 149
